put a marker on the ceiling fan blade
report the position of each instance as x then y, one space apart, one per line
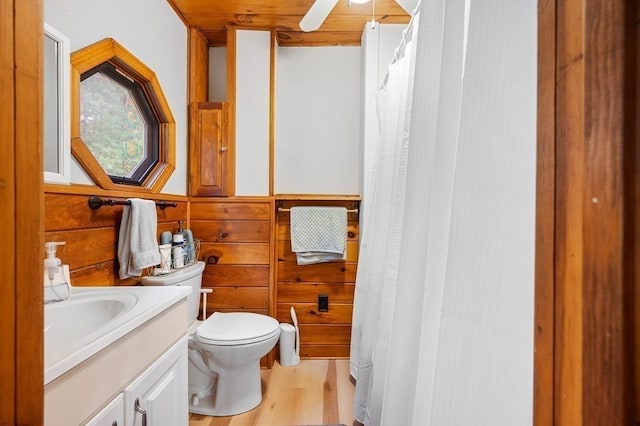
316 14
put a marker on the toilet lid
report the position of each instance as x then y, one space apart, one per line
236 328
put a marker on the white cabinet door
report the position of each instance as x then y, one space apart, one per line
158 397
111 415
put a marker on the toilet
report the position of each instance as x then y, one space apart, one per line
224 350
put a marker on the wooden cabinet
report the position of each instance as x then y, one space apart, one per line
211 151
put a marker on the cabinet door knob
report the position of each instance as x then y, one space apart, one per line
142 411
224 149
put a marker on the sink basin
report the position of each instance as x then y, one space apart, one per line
83 318
95 317
84 314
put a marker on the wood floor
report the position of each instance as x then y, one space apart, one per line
315 392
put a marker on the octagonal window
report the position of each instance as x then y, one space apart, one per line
122 130
118 124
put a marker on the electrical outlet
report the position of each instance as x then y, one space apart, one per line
323 303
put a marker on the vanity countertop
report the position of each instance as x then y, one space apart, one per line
70 334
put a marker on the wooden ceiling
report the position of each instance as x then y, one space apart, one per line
343 27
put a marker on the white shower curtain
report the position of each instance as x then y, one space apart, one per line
379 246
443 309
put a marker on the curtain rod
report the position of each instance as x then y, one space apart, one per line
96 202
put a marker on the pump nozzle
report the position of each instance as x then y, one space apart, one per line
52 263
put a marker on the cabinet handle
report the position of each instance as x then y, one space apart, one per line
142 411
224 149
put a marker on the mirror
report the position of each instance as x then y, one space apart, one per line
56 64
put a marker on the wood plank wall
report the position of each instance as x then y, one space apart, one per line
322 334
91 236
236 246
246 245
21 313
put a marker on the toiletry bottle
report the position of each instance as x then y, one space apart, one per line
178 247
165 258
189 246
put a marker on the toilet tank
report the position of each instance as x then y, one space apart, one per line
188 276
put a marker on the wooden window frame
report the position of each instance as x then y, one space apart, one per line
108 50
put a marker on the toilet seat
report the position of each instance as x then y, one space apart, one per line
236 328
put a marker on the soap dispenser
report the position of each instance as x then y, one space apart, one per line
55 274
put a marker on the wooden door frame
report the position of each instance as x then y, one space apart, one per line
22 199
585 232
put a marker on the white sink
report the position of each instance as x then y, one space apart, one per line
95 317
84 316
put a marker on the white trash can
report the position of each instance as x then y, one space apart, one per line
287 344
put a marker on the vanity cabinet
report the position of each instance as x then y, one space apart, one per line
211 158
158 397
111 415
148 364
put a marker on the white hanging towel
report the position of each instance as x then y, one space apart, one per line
137 245
318 234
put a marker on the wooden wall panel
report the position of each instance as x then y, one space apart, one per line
238 298
223 209
97 275
236 246
243 231
307 292
335 272
543 410
326 334
198 56
71 211
307 313
235 253
91 236
322 334
286 255
85 247
237 275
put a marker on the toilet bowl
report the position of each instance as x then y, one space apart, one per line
224 351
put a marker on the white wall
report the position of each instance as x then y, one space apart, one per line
317 118
160 42
253 70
